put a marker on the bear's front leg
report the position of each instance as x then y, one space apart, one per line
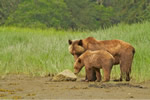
93 77
89 74
98 74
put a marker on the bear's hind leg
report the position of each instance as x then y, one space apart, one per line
125 66
107 71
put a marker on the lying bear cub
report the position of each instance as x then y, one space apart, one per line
95 60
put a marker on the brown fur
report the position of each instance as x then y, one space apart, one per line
122 51
76 51
95 60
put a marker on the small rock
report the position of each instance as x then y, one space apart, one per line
131 97
66 75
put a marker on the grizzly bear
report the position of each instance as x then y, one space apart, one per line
123 52
95 60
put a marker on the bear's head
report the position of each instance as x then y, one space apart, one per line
78 65
76 48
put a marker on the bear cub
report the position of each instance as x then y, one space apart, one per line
95 60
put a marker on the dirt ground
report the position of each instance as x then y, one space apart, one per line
25 87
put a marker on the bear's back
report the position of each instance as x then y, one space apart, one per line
97 58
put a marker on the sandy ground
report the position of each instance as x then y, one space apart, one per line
24 87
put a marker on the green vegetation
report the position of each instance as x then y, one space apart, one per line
40 52
72 14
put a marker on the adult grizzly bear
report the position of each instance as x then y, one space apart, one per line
123 52
95 60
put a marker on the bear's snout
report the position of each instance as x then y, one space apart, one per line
76 72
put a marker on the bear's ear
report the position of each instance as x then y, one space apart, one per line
79 60
70 42
80 43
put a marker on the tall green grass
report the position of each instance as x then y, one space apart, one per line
40 52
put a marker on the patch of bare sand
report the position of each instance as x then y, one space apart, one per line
25 87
